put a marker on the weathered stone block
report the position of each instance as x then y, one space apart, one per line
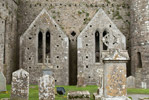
115 75
78 95
20 85
2 82
46 88
131 82
81 79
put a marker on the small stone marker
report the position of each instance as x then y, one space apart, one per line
46 88
20 85
131 82
81 79
78 95
2 82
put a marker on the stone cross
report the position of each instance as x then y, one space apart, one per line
2 82
46 88
20 85
47 59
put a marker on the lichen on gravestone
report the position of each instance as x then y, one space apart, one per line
20 85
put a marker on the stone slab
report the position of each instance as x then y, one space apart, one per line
78 95
46 88
20 85
115 80
2 82
131 82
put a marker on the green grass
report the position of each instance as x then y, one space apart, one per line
92 89
138 91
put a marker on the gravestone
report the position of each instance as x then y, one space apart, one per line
2 82
46 88
80 79
115 75
78 95
20 85
131 82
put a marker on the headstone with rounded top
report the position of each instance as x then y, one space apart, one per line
46 88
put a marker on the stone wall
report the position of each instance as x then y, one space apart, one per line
140 41
10 46
73 16
113 39
58 50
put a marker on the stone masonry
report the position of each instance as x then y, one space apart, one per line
140 41
57 46
72 17
109 37
20 85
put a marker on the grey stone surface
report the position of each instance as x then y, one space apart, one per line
130 82
2 82
20 85
113 39
46 88
72 16
78 95
8 38
59 47
140 41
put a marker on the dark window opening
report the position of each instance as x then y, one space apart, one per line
97 46
48 47
104 46
40 48
73 33
139 60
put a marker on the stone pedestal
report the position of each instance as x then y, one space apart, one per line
115 75
20 85
46 88
2 82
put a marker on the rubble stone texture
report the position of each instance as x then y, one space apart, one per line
140 41
46 88
20 85
131 82
78 95
109 36
73 16
58 55
8 37
2 82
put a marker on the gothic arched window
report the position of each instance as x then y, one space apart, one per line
40 47
104 46
97 46
48 42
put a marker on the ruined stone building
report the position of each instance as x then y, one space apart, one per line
72 36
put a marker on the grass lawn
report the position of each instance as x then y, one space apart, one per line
92 89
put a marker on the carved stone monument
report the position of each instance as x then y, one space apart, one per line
20 85
46 88
115 75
